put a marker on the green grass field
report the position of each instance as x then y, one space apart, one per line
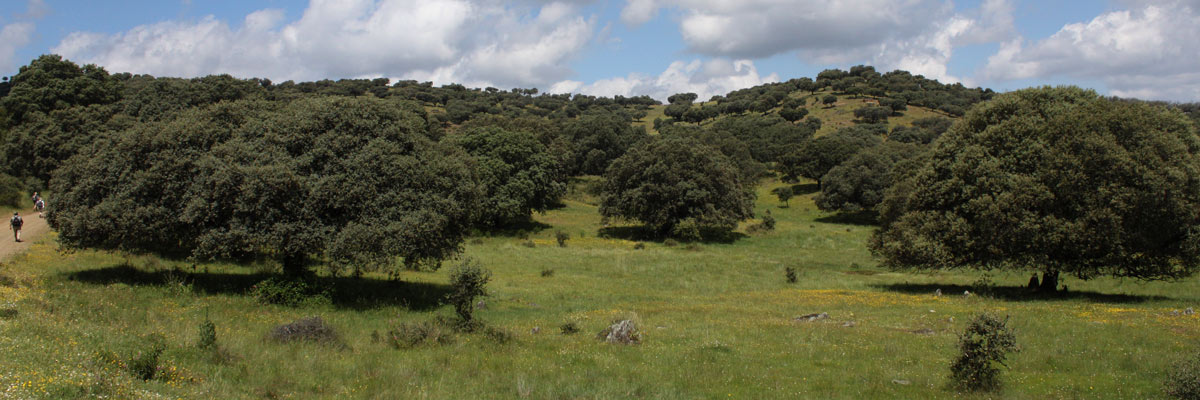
717 321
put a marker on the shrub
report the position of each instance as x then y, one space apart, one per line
562 237
289 292
412 334
982 350
639 246
670 243
569 328
1183 380
529 244
311 329
208 335
12 191
498 335
687 230
768 221
144 363
791 274
547 272
467 281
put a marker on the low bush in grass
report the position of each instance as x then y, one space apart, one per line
407 335
1183 379
311 329
468 280
983 347
291 292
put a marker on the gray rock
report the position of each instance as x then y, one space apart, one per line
1174 313
849 324
901 382
812 317
535 330
1188 311
623 332
481 305
966 293
937 293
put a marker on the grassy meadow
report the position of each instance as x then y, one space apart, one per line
717 321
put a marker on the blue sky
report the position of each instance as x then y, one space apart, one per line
1131 48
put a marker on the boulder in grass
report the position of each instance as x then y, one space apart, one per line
812 317
623 332
311 329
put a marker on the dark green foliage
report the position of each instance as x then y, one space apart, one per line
936 125
829 100
793 114
1183 379
562 238
12 191
311 329
600 138
860 182
766 137
896 105
569 328
406 335
291 291
1052 179
547 272
356 180
207 338
873 114
911 134
517 170
983 347
668 180
468 280
768 221
790 274
816 157
51 83
784 194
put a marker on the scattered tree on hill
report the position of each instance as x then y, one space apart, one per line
793 114
816 157
860 182
1057 180
784 194
829 100
667 182
356 180
518 173
873 114
599 138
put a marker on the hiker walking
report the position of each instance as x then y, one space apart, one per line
35 199
39 206
15 224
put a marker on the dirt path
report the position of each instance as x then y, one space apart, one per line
35 227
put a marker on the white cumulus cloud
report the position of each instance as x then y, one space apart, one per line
12 37
449 41
1149 52
705 78
915 35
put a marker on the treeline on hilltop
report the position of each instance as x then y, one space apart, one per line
364 174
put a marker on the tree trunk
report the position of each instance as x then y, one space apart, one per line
1049 281
293 264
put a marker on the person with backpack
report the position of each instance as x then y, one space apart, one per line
15 224
39 206
35 199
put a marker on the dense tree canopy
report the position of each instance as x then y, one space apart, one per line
1057 180
816 157
518 173
859 182
668 181
355 180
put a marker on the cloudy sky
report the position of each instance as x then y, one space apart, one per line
1134 48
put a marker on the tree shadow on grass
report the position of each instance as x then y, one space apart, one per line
801 189
1017 293
346 293
861 218
641 233
516 229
